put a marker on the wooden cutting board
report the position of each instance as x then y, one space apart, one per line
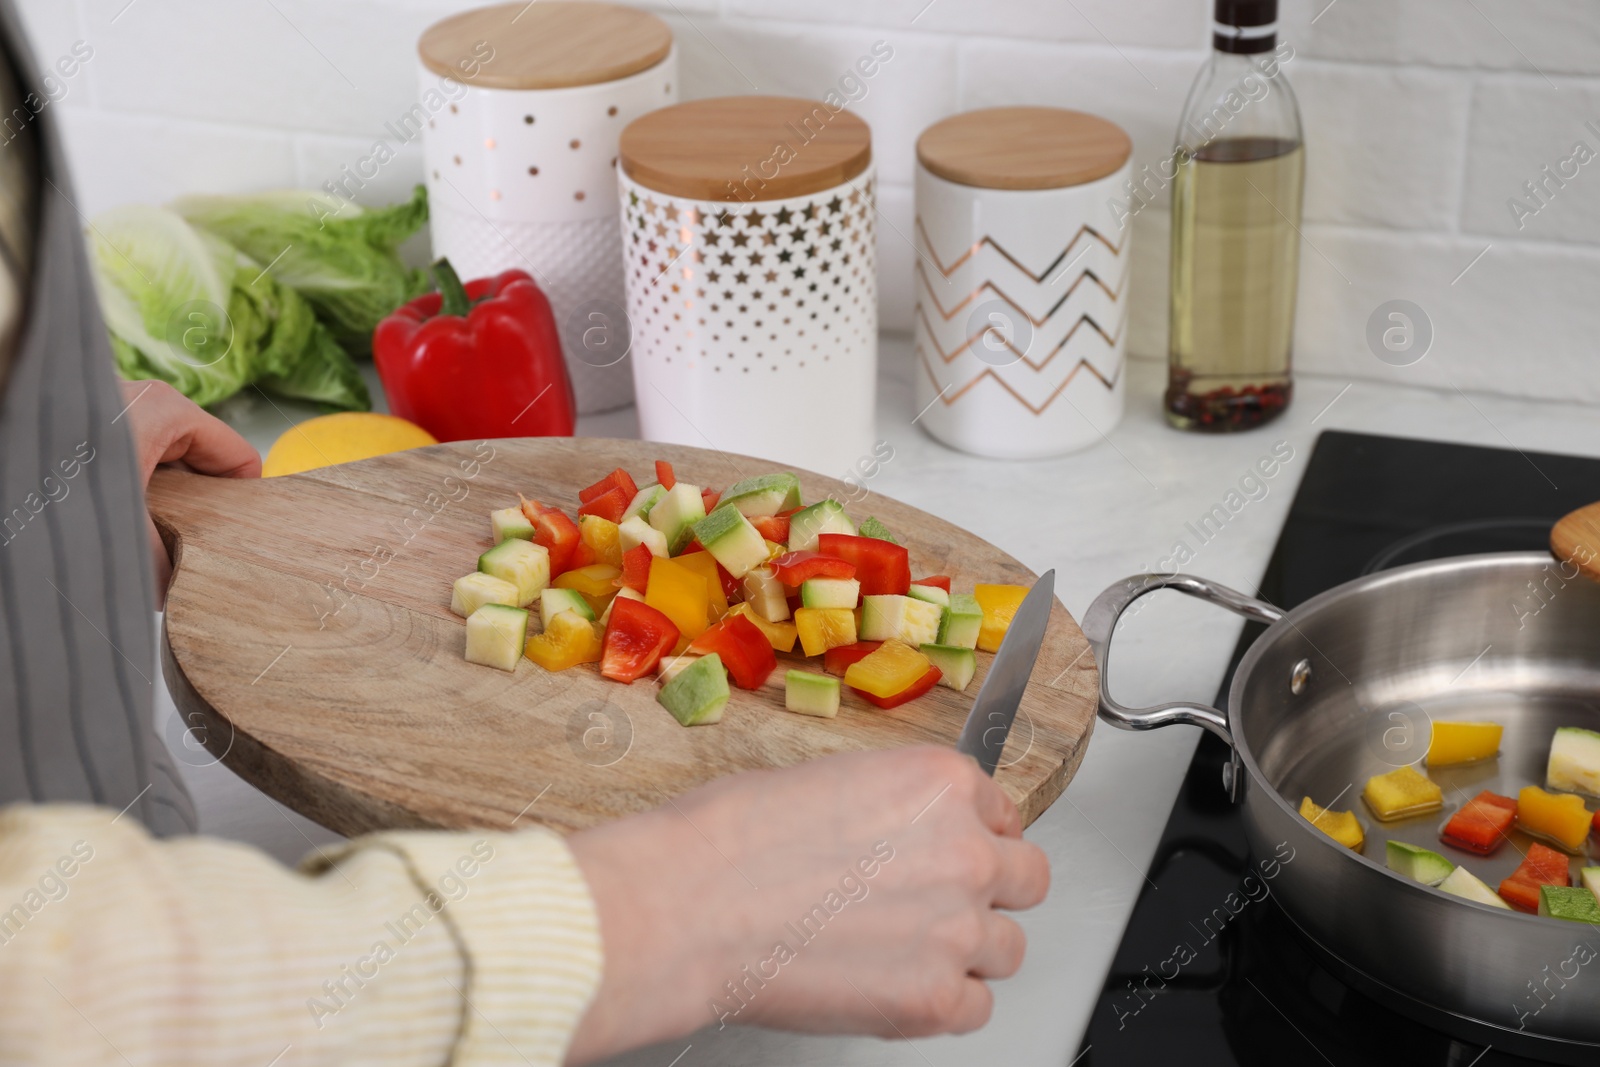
1575 540
309 642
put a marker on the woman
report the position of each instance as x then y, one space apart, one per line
855 894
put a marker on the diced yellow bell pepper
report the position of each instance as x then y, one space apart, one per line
1402 793
568 641
1342 826
892 668
1463 742
601 535
999 604
781 635
596 583
679 593
1558 817
774 550
820 629
705 565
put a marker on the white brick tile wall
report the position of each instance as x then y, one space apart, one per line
1423 118
1554 36
1520 127
1403 171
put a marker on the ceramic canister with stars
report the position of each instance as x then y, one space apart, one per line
749 256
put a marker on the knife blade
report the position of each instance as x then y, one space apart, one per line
989 722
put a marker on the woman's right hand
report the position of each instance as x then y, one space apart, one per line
853 894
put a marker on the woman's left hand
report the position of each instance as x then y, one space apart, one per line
168 427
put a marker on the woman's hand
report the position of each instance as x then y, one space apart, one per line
852 894
168 427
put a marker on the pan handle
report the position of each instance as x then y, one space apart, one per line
1100 621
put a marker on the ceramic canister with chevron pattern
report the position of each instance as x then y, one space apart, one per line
748 240
520 111
1020 280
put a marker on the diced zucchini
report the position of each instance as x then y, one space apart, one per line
696 694
510 522
1463 883
554 601
636 531
808 524
731 540
643 501
1418 864
871 527
1574 761
890 615
811 694
672 666
522 563
932 594
1572 903
495 636
957 665
761 496
473 591
625 593
962 621
1590 877
676 513
830 593
765 595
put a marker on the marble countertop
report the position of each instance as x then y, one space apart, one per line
1114 509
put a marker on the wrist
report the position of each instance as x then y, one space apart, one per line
667 931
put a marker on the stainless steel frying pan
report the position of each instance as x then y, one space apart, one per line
1344 687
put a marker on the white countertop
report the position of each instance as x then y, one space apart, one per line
1096 516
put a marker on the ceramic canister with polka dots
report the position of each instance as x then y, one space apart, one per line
521 157
748 243
1020 280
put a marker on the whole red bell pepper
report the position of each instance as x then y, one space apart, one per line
475 361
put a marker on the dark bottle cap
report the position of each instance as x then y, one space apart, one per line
1245 26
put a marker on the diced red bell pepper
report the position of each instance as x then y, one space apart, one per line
664 474
556 532
912 692
838 660
1596 829
709 498
938 581
882 567
617 479
730 585
609 505
792 568
637 636
744 649
636 568
582 556
773 528
1482 823
1542 866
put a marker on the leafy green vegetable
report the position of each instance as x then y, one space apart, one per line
333 252
185 306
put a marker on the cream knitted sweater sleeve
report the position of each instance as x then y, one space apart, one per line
395 949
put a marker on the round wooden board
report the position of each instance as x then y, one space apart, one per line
309 642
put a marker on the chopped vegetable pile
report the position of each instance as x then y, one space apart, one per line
1543 884
708 588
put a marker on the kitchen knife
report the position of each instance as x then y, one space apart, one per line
989 722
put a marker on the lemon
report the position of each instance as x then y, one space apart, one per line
342 438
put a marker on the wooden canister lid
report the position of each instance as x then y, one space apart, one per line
551 44
1023 148
738 148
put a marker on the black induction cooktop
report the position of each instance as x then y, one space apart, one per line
1256 992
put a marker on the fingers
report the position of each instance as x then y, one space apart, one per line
1024 877
996 809
168 428
1000 954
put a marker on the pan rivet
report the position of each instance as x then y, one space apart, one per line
1299 676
